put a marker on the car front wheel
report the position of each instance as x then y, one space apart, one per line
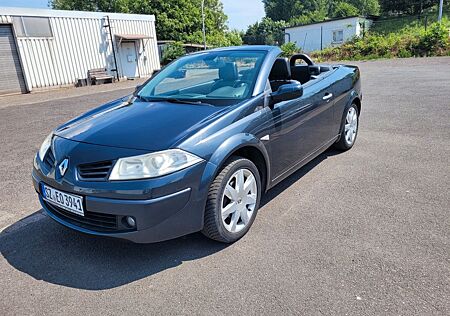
233 201
349 128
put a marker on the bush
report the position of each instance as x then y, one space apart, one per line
172 52
289 49
410 42
434 41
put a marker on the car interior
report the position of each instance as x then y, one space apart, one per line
230 82
286 71
234 81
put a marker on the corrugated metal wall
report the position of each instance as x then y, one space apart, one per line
5 19
147 49
80 44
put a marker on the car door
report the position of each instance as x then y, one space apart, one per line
300 127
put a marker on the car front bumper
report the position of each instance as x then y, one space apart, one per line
163 208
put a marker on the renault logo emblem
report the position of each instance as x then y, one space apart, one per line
63 166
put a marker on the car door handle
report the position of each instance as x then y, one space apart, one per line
327 96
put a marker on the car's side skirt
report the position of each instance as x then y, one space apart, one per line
302 162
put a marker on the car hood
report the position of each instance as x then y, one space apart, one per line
140 125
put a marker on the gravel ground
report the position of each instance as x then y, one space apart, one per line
364 232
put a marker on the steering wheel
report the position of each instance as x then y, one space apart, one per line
303 57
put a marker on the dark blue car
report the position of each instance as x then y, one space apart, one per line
196 146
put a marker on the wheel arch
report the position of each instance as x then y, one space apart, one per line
247 146
357 101
354 99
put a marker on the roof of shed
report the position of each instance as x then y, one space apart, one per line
132 37
14 11
331 20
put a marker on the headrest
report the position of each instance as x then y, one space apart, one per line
228 72
280 70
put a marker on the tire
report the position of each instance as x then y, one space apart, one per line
221 201
345 141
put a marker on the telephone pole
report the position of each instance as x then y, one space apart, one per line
203 24
441 5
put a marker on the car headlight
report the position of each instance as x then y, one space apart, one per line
45 146
152 165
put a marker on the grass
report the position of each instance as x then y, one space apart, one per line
389 25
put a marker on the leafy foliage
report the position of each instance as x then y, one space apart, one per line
172 52
366 7
289 49
412 41
285 10
343 9
266 32
413 7
306 11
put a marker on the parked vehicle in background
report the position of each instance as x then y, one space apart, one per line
197 145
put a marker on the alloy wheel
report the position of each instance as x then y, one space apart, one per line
351 126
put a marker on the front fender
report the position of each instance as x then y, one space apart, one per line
233 144
225 151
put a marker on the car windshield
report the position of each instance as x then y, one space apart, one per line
206 77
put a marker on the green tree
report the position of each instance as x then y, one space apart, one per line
343 9
406 6
306 11
266 32
366 7
283 10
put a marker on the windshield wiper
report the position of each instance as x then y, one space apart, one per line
175 100
145 99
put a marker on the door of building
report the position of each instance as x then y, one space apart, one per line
128 59
11 79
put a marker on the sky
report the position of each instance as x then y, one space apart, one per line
241 13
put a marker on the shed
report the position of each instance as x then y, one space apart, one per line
333 32
42 48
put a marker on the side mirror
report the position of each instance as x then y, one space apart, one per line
287 92
137 89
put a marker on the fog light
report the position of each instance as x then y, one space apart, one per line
131 221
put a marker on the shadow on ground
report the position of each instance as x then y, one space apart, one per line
49 252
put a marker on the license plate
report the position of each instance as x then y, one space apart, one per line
69 202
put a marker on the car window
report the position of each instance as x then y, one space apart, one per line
205 76
189 75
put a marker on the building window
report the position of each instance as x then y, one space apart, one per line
338 36
31 26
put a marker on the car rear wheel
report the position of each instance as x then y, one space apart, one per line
349 128
233 201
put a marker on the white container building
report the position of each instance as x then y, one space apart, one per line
320 35
41 48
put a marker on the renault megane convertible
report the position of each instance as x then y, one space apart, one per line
196 146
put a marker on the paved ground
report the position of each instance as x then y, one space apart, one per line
366 232
52 94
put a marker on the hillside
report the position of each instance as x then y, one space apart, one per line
397 37
389 25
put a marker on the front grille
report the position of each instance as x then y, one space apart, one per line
49 159
93 221
98 171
